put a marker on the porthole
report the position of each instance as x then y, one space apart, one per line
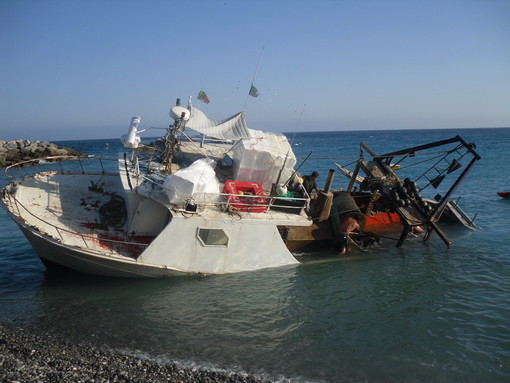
212 237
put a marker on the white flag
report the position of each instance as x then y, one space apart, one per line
254 92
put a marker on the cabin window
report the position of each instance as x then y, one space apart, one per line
212 237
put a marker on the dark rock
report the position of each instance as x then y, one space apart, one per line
12 152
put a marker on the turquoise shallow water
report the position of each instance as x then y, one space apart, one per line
420 313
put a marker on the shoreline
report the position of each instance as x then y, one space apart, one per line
26 357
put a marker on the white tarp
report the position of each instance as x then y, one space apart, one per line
261 160
196 181
232 128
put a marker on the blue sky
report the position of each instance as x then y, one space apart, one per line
75 69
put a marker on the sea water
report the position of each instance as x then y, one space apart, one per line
418 313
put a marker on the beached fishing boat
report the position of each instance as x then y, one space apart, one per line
226 199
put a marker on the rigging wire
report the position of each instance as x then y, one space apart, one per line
361 157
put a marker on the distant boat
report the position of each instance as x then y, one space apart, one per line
504 194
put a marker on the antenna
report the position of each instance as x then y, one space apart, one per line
300 116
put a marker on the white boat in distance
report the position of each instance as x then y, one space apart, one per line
213 205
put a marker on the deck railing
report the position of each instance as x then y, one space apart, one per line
35 165
248 203
60 231
244 202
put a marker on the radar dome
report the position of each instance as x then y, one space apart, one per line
178 112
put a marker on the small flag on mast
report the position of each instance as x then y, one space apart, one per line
202 96
254 92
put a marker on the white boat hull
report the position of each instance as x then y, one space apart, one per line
59 214
83 260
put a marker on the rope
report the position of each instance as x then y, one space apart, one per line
351 242
231 210
127 172
381 236
113 213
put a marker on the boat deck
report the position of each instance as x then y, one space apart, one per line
66 207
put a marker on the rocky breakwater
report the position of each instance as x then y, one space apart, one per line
12 152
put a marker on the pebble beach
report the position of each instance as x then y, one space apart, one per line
26 357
